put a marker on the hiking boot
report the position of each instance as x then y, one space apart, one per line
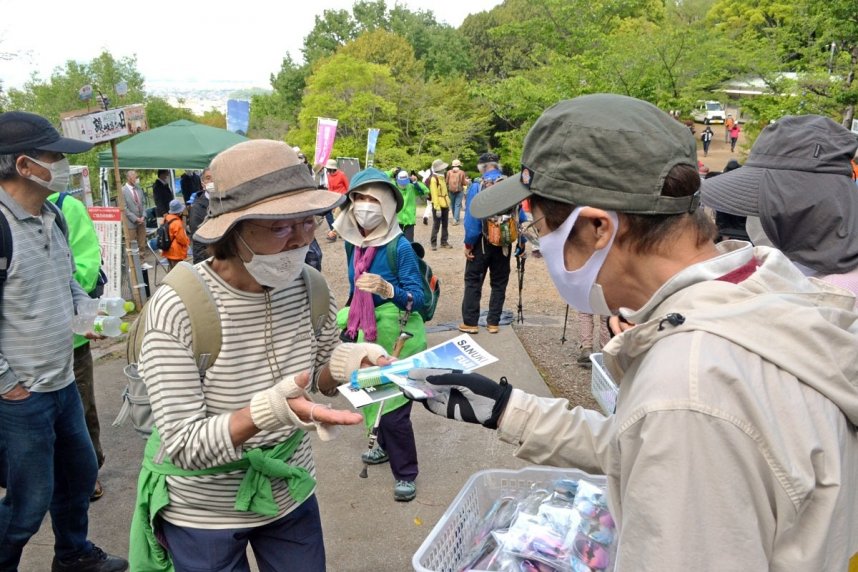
96 561
584 356
375 456
434 247
493 328
469 329
404 491
446 245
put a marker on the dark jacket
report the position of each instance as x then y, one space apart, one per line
196 216
163 194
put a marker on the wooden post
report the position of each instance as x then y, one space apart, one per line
120 202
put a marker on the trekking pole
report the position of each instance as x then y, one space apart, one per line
519 265
565 320
397 349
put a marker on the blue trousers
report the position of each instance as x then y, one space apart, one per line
292 543
49 464
456 204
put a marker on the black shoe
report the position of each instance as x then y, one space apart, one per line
425 220
96 561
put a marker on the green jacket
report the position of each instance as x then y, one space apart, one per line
145 553
83 243
408 215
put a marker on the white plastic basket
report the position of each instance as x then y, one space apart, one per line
453 535
602 386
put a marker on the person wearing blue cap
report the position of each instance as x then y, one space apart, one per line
48 461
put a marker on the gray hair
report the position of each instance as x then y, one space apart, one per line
129 173
8 169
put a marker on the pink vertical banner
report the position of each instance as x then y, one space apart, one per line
326 132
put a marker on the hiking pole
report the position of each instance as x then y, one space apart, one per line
565 321
519 266
397 349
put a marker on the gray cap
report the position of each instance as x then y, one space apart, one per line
798 180
606 151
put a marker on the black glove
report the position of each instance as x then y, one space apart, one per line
468 397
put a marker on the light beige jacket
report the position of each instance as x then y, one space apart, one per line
734 444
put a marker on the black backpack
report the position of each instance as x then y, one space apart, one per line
162 236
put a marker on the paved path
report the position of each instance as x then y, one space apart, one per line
365 529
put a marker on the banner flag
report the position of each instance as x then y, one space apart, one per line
371 140
326 132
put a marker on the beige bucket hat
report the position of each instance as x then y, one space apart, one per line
261 179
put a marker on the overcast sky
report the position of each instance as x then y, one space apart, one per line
182 43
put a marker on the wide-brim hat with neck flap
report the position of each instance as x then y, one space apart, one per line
261 179
373 175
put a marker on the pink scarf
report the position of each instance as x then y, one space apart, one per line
362 310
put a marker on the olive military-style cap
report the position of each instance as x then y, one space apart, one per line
606 151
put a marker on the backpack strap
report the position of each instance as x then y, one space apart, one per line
59 218
320 297
205 321
5 251
62 197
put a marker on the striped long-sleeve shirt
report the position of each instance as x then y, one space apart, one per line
38 303
193 417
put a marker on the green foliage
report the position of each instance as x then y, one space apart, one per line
160 113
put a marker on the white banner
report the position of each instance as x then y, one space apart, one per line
108 226
97 127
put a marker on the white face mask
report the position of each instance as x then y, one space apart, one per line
60 175
577 287
209 188
276 270
368 214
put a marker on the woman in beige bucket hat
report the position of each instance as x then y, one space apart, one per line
251 413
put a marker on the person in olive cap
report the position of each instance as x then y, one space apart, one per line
385 296
733 445
48 458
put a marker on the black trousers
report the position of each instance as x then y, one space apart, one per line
442 222
396 436
493 260
408 231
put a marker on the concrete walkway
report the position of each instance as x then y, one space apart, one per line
365 529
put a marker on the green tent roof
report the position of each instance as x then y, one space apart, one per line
178 145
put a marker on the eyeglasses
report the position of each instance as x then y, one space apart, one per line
285 229
530 232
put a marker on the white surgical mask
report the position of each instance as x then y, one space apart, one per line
60 175
577 287
276 270
368 214
209 188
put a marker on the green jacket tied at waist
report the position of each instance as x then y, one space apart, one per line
146 554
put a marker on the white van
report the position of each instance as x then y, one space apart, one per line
707 112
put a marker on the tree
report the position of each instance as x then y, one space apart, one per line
160 113
356 93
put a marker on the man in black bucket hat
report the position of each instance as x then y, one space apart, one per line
48 458
733 443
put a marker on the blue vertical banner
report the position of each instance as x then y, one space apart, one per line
371 140
238 116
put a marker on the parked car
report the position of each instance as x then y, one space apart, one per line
707 112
